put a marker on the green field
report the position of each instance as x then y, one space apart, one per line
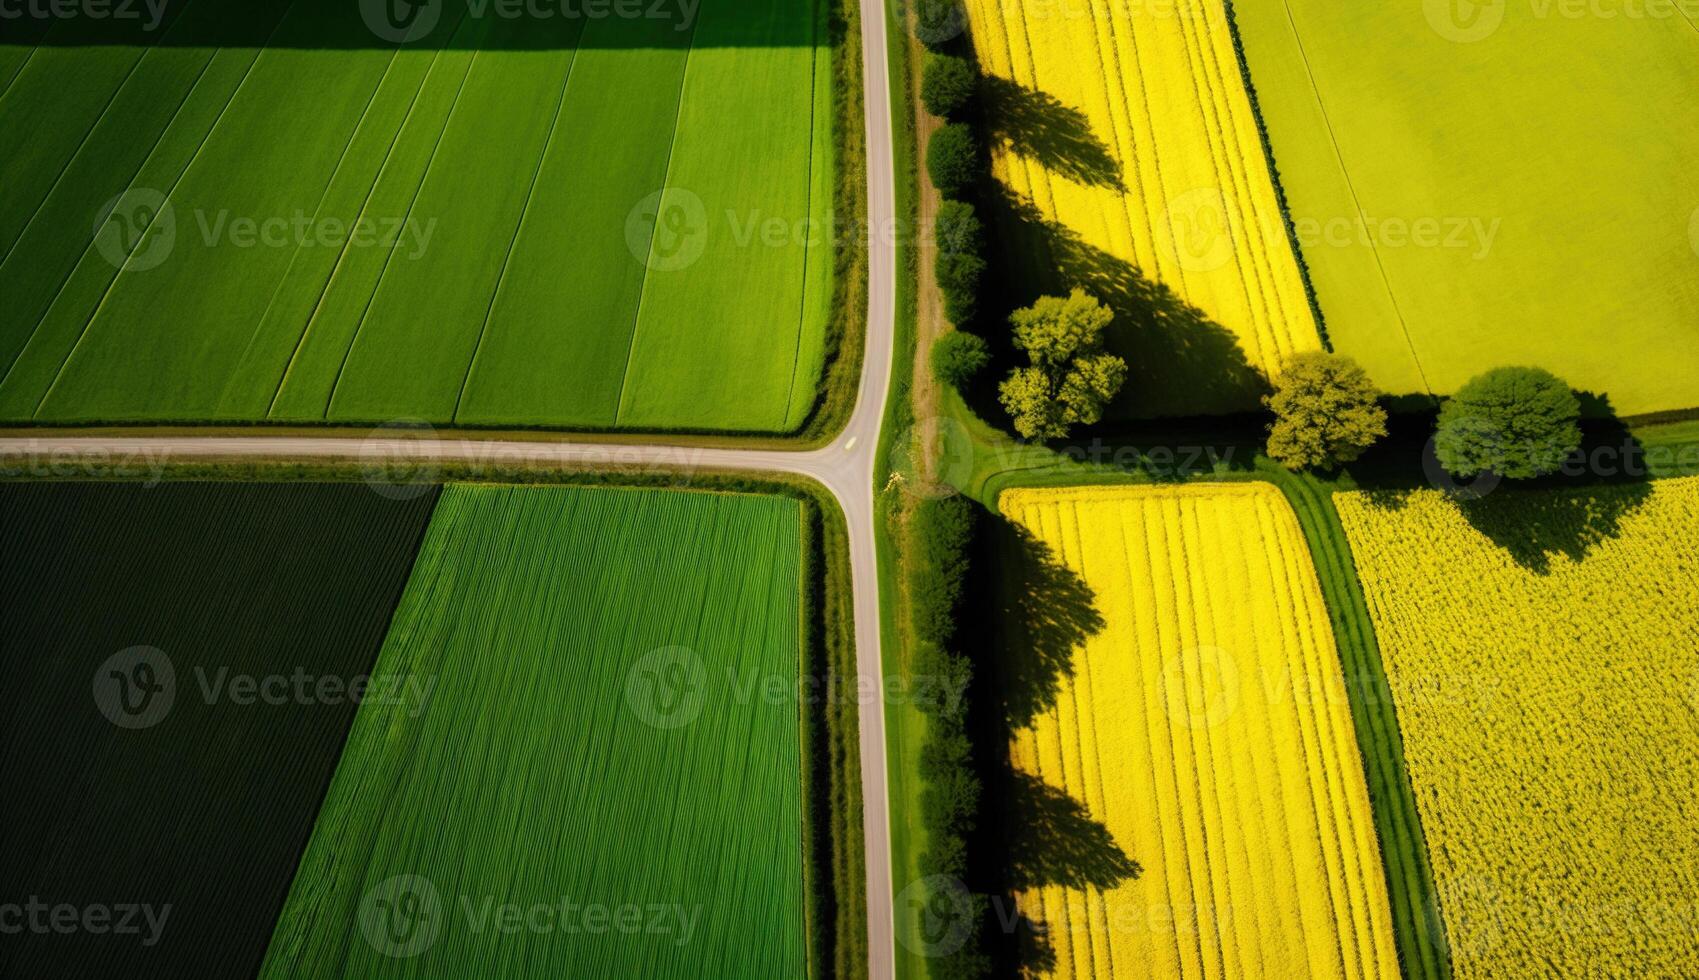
314 225
1478 184
599 736
200 802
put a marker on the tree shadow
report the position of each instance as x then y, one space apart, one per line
1038 126
1047 613
1055 841
1534 528
1031 833
1566 514
1179 361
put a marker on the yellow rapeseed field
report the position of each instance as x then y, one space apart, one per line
1544 660
1205 726
1128 123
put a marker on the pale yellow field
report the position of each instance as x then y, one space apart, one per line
1206 727
1158 83
1550 720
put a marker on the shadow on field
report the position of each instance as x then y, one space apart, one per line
1566 514
1032 833
1179 361
1048 613
1036 125
1058 842
1534 528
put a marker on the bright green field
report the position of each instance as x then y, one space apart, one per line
560 760
507 272
1571 140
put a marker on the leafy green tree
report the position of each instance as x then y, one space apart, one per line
938 23
1325 412
1516 422
1071 378
952 160
957 357
959 275
958 264
957 229
947 84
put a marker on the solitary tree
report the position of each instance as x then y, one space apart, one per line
1325 412
947 84
952 160
1071 377
1516 422
957 357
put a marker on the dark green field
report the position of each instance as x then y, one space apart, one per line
208 808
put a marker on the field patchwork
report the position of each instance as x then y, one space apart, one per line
220 628
263 211
1124 139
598 737
1540 650
1458 210
1206 727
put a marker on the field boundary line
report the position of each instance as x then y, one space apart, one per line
365 202
324 195
128 185
424 178
820 10
1329 796
649 250
518 225
88 134
88 324
1356 202
1155 178
1235 196
1148 528
1255 173
19 71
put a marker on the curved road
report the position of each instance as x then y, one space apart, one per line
845 467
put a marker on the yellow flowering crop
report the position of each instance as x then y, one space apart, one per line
1544 660
1171 176
1206 727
